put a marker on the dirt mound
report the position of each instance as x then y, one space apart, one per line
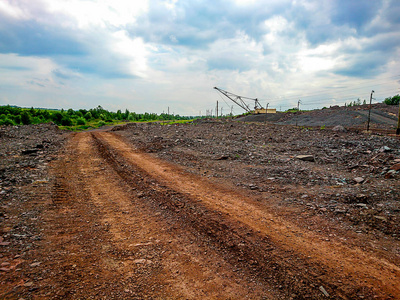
382 116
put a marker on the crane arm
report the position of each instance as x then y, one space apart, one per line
239 100
236 99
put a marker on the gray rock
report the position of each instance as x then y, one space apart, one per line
305 157
359 179
339 128
385 149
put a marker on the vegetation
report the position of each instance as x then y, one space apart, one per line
356 103
395 100
77 119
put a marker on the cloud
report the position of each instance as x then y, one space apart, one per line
146 53
105 51
356 13
239 53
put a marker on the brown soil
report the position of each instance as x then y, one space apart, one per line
203 211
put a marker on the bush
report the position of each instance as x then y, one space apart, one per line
88 115
57 117
81 121
36 120
26 118
395 100
65 121
17 119
7 122
101 123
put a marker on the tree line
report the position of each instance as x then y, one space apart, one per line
395 100
12 115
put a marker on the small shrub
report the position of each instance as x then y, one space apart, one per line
17 119
81 121
26 118
7 122
88 115
101 123
65 121
57 117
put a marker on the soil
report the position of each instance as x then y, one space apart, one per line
208 210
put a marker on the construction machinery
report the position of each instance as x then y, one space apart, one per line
240 101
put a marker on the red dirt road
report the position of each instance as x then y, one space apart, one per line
124 224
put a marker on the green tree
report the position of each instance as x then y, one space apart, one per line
395 100
66 121
26 118
57 117
81 121
88 115
17 119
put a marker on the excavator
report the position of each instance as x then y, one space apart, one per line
240 101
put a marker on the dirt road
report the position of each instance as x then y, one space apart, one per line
123 224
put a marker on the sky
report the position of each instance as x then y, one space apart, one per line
154 55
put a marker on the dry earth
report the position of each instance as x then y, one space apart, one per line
209 210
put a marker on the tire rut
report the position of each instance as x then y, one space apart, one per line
107 238
270 252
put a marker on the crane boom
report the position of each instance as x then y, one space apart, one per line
239 100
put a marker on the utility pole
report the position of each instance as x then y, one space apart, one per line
298 110
216 112
168 110
369 112
266 111
398 123
221 111
231 110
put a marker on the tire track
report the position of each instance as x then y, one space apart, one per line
108 237
344 272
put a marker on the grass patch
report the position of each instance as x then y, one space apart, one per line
176 122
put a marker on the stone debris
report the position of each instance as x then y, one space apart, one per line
395 167
305 157
322 289
359 179
339 128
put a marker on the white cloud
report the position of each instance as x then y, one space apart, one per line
13 11
99 13
134 51
145 55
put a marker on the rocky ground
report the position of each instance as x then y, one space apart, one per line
347 176
382 116
25 155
